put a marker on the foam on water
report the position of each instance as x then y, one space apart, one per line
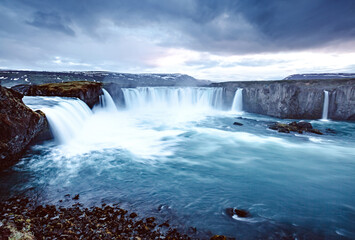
176 147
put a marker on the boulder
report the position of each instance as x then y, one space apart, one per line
238 124
88 92
294 127
19 125
239 212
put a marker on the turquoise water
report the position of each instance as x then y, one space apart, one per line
188 165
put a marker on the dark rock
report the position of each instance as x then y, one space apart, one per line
166 224
304 125
283 130
76 197
239 212
19 125
88 92
294 99
316 131
133 215
218 237
238 123
294 127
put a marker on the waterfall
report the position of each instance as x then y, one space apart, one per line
65 116
238 100
173 97
325 105
107 102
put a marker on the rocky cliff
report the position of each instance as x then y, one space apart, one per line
19 125
295 99
88 92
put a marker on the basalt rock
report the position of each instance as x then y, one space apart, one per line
77 222
239 212
19 125
299 127
88 92
294 99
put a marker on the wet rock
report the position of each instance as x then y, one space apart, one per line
76 197
238 124
88 92
133 215
316 131
239 212
218 237
19 125
106 222
294 127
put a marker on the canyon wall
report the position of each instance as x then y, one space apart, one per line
295 99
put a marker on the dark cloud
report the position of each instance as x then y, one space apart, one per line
52 21
220 26
132 34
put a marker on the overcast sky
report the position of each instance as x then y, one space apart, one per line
219 40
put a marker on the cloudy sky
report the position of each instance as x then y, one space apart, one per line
219 40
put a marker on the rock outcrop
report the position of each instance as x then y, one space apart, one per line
294 99
299 127
19 125
88 92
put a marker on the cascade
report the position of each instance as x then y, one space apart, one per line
325 105
238 100
107 102
173 97
65 115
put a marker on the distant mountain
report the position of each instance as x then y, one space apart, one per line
11 78
310 76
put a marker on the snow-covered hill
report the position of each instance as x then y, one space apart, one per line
11 78
309 76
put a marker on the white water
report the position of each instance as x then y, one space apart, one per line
173 98
66 116
238 100
325 105
106 101
144 129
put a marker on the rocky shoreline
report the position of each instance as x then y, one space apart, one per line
22 219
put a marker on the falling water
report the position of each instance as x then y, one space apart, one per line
325 105
106 101
173 98
65 116
238 100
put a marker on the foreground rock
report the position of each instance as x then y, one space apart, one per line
106 222
19 125
88 92
299 127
